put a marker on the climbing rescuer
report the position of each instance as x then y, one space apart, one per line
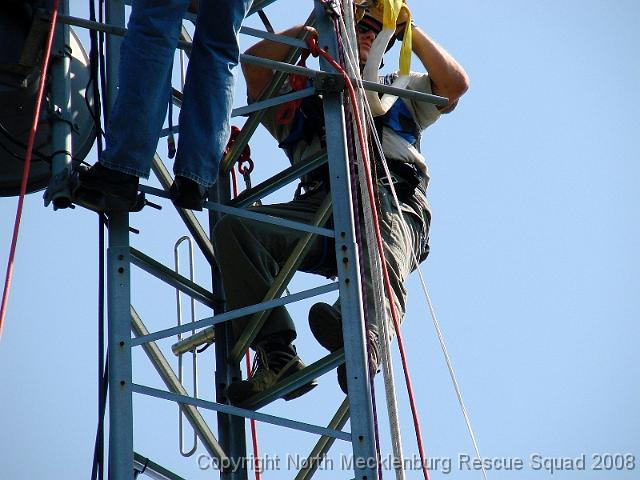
251 253
135 122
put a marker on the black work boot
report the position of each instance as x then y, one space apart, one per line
186 193
273 362
111 183
325 322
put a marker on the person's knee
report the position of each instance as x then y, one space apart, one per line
224 232
157 20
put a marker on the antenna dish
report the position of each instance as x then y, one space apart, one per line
17 100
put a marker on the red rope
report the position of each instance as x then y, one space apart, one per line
316 50
234 183
27 165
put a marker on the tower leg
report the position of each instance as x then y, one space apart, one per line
363 441
119 306
231 428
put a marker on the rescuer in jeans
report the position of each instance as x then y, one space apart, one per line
146 61
251 253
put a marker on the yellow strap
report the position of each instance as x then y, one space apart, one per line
392 9
405 50
391 13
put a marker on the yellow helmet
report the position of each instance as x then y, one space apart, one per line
374 10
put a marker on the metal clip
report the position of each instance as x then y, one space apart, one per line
57 113
332 7
329 82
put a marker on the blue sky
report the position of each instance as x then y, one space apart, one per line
533 271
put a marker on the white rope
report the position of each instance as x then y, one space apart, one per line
425 291
355 73
375 268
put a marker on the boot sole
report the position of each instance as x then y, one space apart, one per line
326 327
300 391
293 367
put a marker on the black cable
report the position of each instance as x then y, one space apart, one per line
136 473
97 472
6 133
94 66
101 340
103 64
18 157
204 348
66 152
94 112
42 157
98 447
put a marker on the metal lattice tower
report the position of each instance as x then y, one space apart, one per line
123 319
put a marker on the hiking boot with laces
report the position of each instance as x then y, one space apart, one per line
273 362
325 322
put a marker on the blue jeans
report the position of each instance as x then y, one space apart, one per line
146 62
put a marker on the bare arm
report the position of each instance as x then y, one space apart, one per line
257 77
448 78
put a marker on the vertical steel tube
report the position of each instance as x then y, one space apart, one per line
119 297
119 302
363 443
231 429
60 114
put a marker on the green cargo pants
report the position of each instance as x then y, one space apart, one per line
250 254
